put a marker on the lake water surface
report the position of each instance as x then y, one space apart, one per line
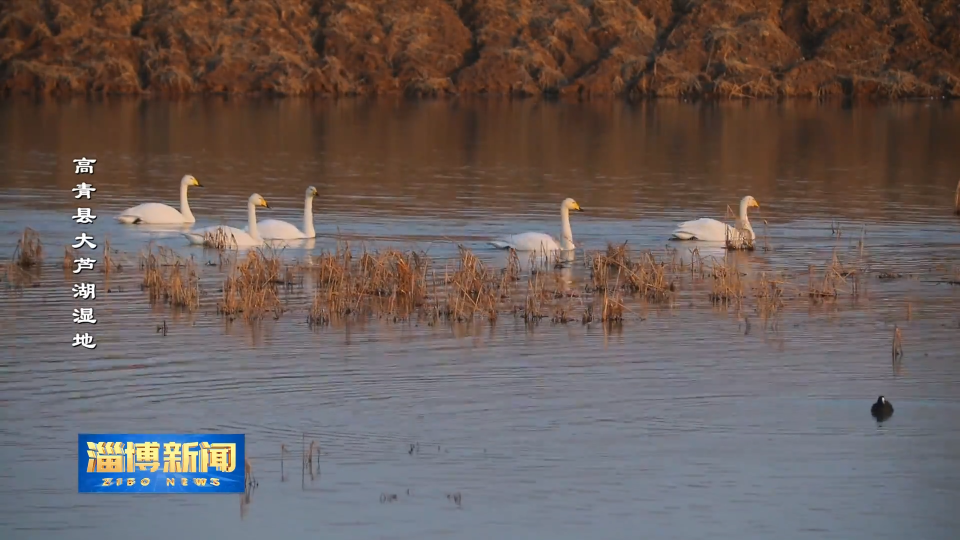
686 424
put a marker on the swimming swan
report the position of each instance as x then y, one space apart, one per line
536 241
276 229
231 237
711 230
161 213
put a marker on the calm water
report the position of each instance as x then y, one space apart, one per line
682 425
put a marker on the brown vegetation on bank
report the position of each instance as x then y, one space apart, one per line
576 48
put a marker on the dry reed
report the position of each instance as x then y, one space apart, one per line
170 279
727 286
29 250
828 286
250 290
897 348
405 286
390 283
646 278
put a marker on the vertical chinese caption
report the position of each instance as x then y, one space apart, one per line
84 292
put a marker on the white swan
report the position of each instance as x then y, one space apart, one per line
711 230
161 213
276 229
222 236
537 241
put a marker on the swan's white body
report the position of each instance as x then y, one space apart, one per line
711 230
542 242
232 236
276 229
159 213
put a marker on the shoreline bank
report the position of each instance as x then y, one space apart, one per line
570 49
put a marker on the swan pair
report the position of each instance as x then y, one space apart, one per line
252 235
703 229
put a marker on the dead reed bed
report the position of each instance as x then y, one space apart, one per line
251 289
29 250
23 270
727 287
407 286
170 279
389 283
476 289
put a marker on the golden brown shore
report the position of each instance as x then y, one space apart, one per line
576 48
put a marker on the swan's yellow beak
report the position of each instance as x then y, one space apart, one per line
576 206
265 205
196 183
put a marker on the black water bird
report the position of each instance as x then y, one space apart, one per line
882 409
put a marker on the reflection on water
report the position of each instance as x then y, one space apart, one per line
686 420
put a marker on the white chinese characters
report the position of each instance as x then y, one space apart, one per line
83 189
85 166
84 291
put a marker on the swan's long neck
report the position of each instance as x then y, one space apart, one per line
184 205
308 217
252 218
743 222
566 236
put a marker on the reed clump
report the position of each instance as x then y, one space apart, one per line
29 250
648 277
476 289
382 283
769 296
251 289
739 240
727 287
831 282
219 239
170 279
536 302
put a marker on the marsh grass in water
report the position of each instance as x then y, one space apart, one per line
344 284
23 269
29 250
251 290
170 279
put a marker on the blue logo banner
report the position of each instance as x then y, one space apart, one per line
160 463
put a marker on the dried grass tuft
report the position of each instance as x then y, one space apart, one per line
250 291
29 250
170 279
